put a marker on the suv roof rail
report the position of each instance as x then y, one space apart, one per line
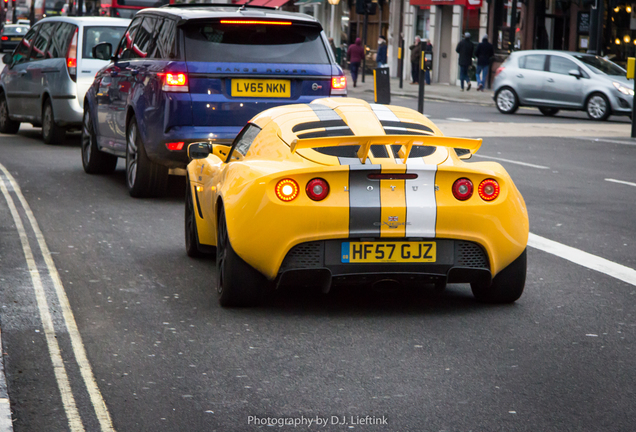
195 5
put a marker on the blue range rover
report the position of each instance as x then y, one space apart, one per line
186 73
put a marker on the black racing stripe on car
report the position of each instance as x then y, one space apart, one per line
319 124
400 131
397 124
379 151
326 133
365 211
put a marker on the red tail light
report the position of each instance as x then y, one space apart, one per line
5 37
287 190
499 70
488 189
286 23
317 189
71 57
339 85
175 146
462 189
175 82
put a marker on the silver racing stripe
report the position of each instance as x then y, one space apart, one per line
421 205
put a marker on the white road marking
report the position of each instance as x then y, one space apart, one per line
74 420
512 161
629 143
584 259
621 182
457 119
97 401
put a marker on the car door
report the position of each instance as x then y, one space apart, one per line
530 78
39 67
16 80
560 87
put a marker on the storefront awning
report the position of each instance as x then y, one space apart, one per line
469 3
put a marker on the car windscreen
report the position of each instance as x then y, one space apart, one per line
254 43
15 30
601 65
94 35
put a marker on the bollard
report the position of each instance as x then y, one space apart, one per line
631 63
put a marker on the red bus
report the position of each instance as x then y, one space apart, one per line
128 8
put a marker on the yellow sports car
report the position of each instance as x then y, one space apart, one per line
341 189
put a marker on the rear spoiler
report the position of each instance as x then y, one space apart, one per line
406 141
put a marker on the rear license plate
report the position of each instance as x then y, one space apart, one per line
261 88
388 252
16 39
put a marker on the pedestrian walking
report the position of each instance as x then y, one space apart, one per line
428 49
355 54
465 48
484 53
416 54
380 57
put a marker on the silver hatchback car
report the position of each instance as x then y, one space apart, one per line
557 80
47 75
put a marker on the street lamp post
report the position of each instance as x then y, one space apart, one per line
333 4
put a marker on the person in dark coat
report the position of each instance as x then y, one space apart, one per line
465 48
355 54
416 54
380 57
484 53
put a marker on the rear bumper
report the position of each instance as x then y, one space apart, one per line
319 262
159 153
67 110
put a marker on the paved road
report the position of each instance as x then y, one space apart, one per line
165 357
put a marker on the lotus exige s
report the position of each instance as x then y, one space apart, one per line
342 189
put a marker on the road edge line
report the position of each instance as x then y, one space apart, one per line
577 256
55 354
99 405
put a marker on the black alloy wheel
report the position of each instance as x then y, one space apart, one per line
51 132
7 126
94 160
144 178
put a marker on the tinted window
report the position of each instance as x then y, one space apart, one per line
60 41
21 53
165 37
42 40
533 62
143 41
601 65
561 65
126 44
245 138
95 35
216 42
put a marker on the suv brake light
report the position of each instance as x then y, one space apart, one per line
339 86
71 57
175 82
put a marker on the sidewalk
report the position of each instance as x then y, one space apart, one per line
6 424
433 92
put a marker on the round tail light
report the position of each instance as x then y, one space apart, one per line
317 189
488 189
287 190
463 189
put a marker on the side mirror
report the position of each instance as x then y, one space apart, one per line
463 154
199 150
575 73
103 51
7 59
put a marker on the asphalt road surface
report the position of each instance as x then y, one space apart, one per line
139 342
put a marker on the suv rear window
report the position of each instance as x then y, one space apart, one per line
254 43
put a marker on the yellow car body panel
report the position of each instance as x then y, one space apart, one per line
262 228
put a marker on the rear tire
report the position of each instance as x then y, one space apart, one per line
238 284
507 100
507 286
7 126
144 178
598 107
94 160
548 112
51 133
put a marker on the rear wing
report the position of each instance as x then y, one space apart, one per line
406 141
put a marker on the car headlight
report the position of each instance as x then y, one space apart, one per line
621 88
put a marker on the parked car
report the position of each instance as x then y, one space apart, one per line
11 35
46 77
555 80
186 73
365 192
